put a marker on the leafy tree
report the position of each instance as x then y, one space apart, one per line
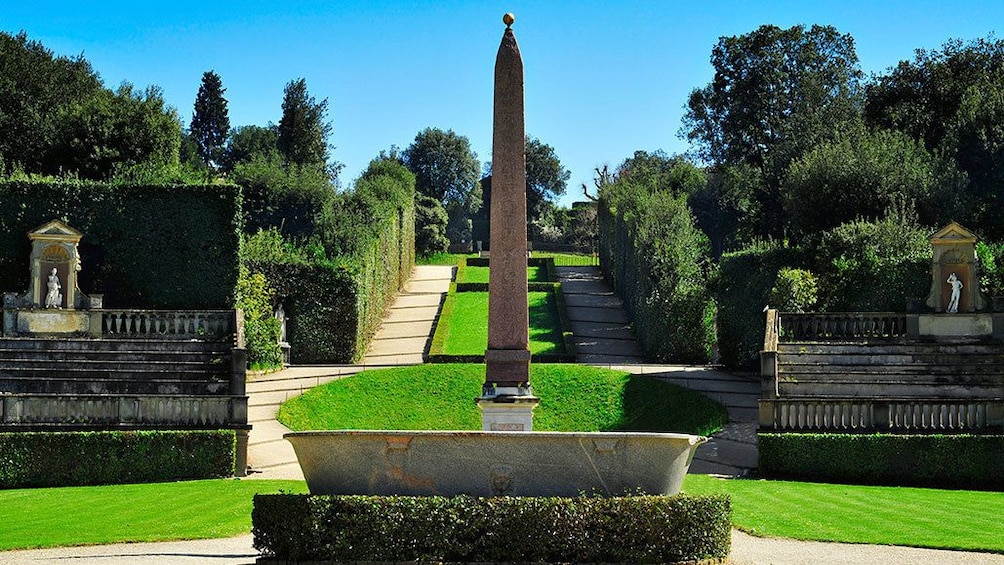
248 142
658 172
723 206
303 130
863 175
546 180
873 266
292 199
210 121
776 93
120 129
953 100
446 169
430 226
36 87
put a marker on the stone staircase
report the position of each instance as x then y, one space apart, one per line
99 366
881 372
905 369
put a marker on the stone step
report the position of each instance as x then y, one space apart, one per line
893 359
889 390
71 372
97 355
986 369
56 366
882 348
116 345
113 386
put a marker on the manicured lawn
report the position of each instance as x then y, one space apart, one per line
464 324
480 274
440 397
946 519
131 513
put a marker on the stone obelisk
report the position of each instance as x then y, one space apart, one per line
507 400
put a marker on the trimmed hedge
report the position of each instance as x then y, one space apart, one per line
635 529
143 246
335 289
654 258
940 461
742 288
54 459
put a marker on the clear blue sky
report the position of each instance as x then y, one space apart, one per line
603 78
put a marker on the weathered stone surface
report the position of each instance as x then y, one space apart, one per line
493 463
508 312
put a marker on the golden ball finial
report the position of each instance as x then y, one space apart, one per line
508 19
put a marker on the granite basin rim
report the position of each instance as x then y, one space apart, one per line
493 463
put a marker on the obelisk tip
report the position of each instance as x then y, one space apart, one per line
508 19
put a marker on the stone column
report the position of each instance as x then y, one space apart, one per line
507 400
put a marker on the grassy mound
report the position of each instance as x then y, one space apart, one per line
441 397
464 324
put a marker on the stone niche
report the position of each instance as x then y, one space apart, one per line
954 249
54 256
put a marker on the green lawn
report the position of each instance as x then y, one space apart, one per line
440 397
480 274
463 324
54 517
945 519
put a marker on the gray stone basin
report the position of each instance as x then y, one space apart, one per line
493 463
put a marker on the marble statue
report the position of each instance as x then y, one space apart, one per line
53 299
953 302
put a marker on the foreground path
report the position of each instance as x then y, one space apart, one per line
746 550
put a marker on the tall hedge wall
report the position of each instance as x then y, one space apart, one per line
168 246
653 256
742 288
335 291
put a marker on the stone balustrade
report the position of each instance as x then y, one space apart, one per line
839 326
208 325
886 415
38 411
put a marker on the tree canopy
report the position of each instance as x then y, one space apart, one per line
303 129
210 121
447 169
776 93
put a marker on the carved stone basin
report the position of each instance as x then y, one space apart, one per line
493 463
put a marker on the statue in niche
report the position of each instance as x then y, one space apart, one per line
280 315
953 302
53 299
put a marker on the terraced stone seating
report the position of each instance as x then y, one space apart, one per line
162 370
871 374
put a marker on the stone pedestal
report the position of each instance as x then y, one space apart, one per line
510 409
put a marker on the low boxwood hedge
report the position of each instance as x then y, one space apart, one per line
943 461
54 459
635 529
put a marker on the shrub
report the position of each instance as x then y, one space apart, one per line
794 291
636 529
991 258
144 246
52 459
430 226
873 266
941 461
261 329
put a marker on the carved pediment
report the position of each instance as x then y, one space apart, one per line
953 233
55 230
